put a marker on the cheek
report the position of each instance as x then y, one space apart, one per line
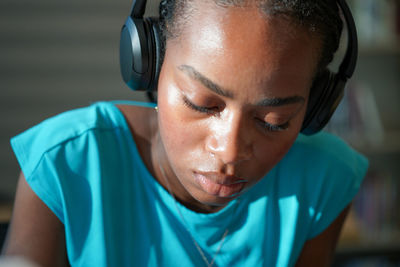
180 137
270 151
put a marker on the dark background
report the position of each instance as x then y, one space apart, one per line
55 56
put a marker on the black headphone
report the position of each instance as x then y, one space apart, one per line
140 62
140 49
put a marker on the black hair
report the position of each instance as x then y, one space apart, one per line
319 17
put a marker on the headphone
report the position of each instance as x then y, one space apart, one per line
140 62
140 49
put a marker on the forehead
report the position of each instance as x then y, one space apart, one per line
239 47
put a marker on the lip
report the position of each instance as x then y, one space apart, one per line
220 185
221 178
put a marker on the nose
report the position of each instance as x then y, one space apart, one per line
230 140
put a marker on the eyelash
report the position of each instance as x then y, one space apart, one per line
274 128
265 125
198 108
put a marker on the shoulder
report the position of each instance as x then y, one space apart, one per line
322 143
80 134
58 149
97 118
321 170
65 127
324 150
319 164
84 132
64 158
324 173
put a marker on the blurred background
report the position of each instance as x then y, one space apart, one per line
59 55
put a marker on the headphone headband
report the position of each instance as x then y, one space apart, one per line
348 65
346 68
138 9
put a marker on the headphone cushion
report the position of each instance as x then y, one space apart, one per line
322 98
156 50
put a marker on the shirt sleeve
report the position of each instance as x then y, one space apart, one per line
53 155
32 152
336 178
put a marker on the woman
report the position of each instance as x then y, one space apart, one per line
217 174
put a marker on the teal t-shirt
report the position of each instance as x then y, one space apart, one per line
86 168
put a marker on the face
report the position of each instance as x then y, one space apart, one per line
232 97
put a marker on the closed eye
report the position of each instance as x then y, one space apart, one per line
201 109
214 110
273 127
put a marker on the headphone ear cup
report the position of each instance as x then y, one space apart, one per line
155 51
155 56
325 95
134 54
140 50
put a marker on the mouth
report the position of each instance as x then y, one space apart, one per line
225 186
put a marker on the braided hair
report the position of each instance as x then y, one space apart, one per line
319 17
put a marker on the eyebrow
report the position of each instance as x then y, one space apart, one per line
267 102
194 74
278 101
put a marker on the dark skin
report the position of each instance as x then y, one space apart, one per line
35 232
228 134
